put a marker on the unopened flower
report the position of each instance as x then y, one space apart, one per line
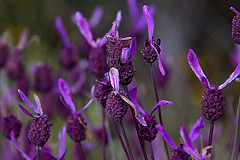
147 128
76 126
213 103
151 51
39 128
180 152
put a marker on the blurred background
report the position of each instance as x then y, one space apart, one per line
202 25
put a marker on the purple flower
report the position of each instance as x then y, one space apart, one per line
213 99
151 46
147 129
235 55
39 128
184 151
235 26
76 126
68 54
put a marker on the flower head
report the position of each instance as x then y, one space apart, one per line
151 51
236 26
76 126
182 151
39 128
147 128
213 99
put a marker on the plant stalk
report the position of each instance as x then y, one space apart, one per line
210 137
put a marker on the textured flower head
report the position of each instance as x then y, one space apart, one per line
236 26
194 134
39 128
213 99
11 123
151 43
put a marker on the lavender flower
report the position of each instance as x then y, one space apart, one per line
11 123
213 103
39 128
76 126
147 128
115 106
97 55
68 54
235 55
236 26
151 51
183 151
14 67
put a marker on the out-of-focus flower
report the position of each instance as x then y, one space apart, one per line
213 103
235 55
151 51
183 151
39 129
68 54
76 126
4 52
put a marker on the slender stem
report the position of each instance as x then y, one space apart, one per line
110 140
121 140
151 150
126 140
159 109
141 141
81 152
210 136
38 153
103 134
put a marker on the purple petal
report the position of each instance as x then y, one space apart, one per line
138 116
115 25
96 16
25 111
159 62
61 31
124 54
114 78
165 136
150 22
133 47
232 77
25 99
62 140
23 39
194 64
195 132
133 97
159 104
38 103
133 11
188 146
84 29
17 146
65 91
91 100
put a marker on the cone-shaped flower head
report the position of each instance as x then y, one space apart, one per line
68 54
213 103
11 123
180 152
236 26
147 127
39 128
115 106
151 51
76 126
